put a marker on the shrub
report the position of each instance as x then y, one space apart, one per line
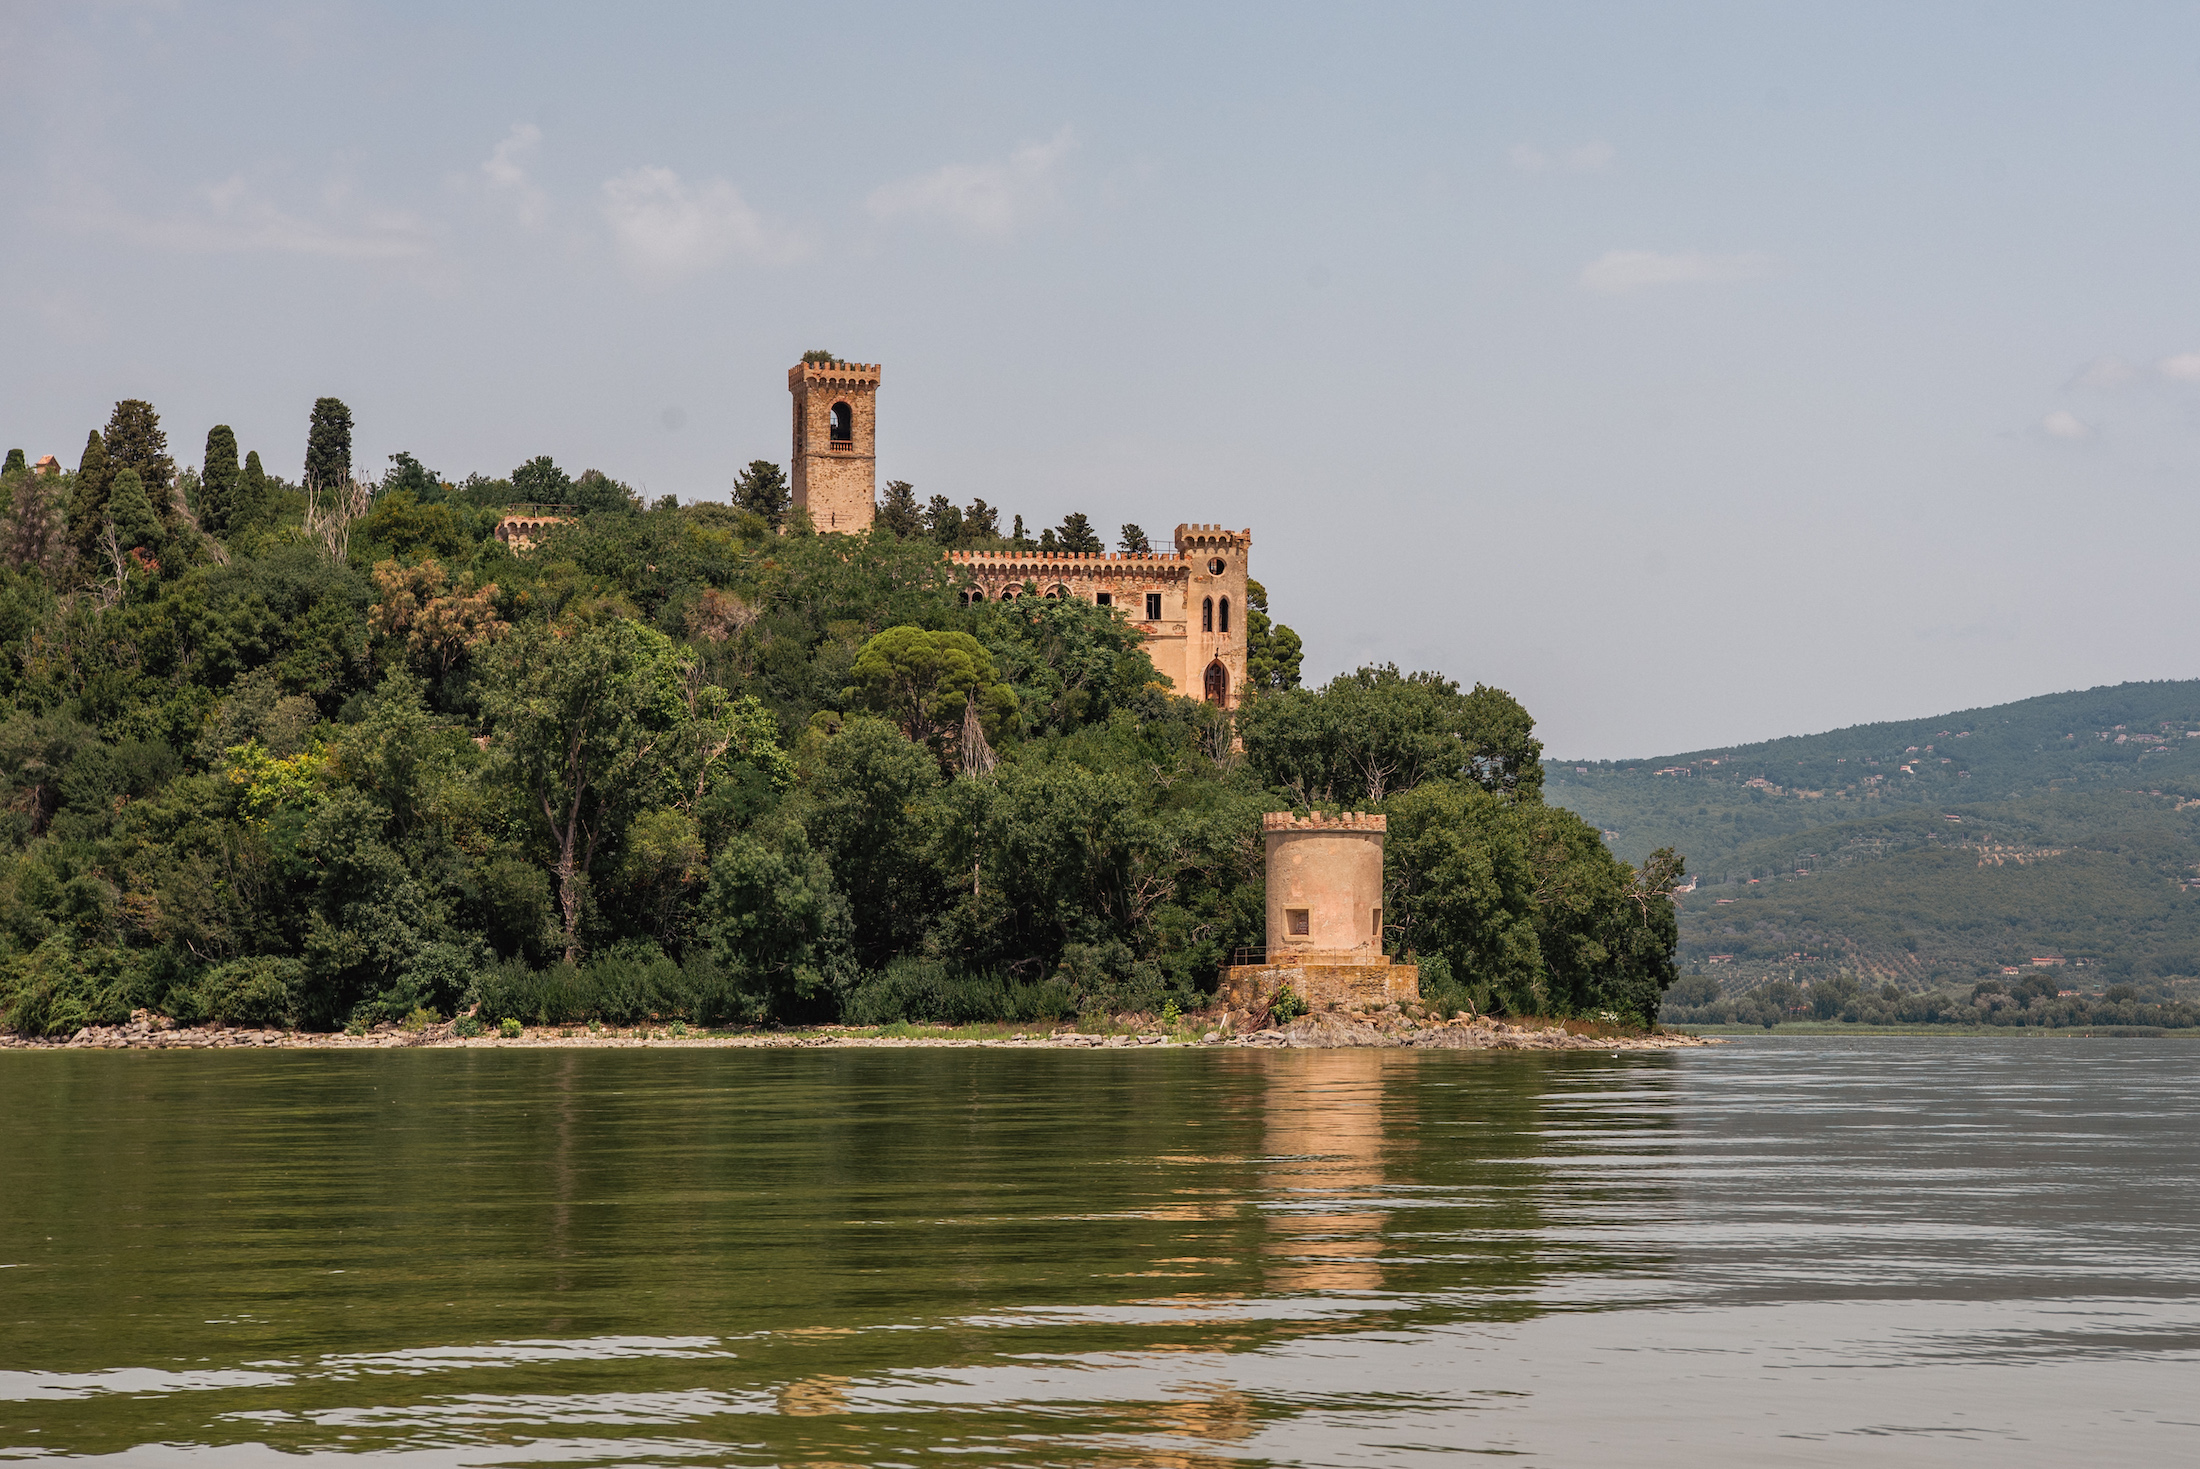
52 990
625 985
1286 1007
928 990
257 992
510 1029
466 1027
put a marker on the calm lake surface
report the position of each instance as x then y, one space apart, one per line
1911 1251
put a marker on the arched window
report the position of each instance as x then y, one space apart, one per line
844 424
1218 683
1225 614
1207 615
1058 592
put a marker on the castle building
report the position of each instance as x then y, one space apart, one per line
1189 602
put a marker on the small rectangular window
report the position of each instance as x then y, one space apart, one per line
1153 606
1377 928
1105 599
1295 919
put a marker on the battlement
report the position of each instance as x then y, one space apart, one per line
1086 560
833 372
1315 821
1212 535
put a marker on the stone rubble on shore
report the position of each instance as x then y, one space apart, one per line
1391 1026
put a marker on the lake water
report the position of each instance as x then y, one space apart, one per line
1908 1251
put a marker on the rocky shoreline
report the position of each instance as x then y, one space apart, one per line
1390 1027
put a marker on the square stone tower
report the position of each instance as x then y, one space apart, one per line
835 461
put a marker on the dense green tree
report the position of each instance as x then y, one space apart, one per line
597 722
921 681
943 521
1376 732
1271 650
540 482
1077 535
218 489
1133 541
88 497
981 523
597 493
328 443
1069 661
865 786
409 474
761 489
774 917
898 512
16 463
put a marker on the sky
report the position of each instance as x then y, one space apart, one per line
1696 373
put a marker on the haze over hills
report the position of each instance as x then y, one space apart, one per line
2064 827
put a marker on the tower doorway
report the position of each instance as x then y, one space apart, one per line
1218 683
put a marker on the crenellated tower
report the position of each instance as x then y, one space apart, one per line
835 462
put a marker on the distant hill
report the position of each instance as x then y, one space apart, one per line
1931 851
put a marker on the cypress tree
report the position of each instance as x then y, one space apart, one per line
328 443
15 461
135 441
88 501
218 483
130 507
253 495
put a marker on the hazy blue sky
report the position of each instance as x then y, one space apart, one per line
1698 373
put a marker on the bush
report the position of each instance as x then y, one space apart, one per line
929 991
625 985
510 1029
1444 994
255 992
466 1027
53 991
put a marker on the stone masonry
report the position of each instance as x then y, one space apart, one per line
835 443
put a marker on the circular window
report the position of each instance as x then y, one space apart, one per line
1215 566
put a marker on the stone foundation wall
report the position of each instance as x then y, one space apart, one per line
1252 987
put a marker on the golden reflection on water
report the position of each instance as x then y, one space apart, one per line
1324 1137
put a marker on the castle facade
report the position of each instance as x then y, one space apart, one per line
1189 602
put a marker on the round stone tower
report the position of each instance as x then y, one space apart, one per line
1325 920
1325 885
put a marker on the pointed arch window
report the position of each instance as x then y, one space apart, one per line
1218 683
1225 614
1207 615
